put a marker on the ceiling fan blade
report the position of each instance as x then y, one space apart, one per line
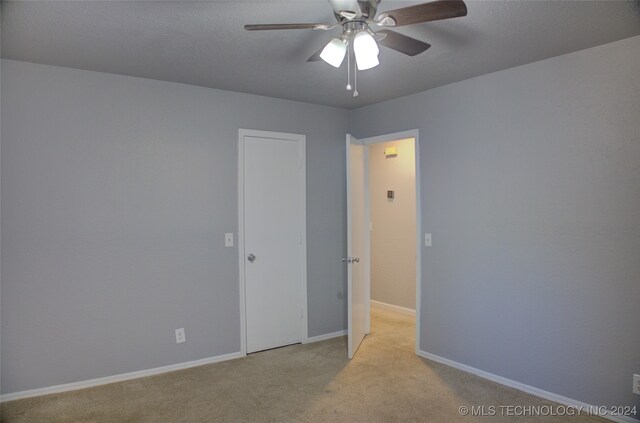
316 56
269 27
426 12
402 43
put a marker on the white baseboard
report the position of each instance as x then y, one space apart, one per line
521 386
325 336
397 309
116 378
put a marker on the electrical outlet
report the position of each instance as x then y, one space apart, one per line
636 384
180 336
427 240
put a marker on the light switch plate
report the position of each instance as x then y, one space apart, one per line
636 384
427 240
180 336
228 239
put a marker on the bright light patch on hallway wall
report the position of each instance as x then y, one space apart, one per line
391 152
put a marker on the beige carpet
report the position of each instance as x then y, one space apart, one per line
386 382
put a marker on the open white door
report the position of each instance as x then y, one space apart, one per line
357 244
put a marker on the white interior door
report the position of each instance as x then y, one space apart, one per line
273 251
357 244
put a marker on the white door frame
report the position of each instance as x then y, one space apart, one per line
242 133
394 137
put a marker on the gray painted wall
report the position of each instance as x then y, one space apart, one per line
116 194
393 238
530 184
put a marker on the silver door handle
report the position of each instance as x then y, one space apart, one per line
251 258
351 259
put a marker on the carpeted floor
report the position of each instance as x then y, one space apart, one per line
385 382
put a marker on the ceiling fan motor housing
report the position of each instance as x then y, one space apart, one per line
354 26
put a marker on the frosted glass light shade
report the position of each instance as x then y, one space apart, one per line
334 52
366 50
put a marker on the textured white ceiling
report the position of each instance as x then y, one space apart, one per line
204 43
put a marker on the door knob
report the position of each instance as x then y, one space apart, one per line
251 258
356 259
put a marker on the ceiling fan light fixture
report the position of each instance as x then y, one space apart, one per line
366 50
334 52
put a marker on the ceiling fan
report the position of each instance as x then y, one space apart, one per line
358 19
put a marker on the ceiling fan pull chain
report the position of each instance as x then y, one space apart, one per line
355 81
348 65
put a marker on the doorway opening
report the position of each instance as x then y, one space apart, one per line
390 247
393 228
392 201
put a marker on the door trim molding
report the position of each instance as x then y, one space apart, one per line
242 133
415 134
